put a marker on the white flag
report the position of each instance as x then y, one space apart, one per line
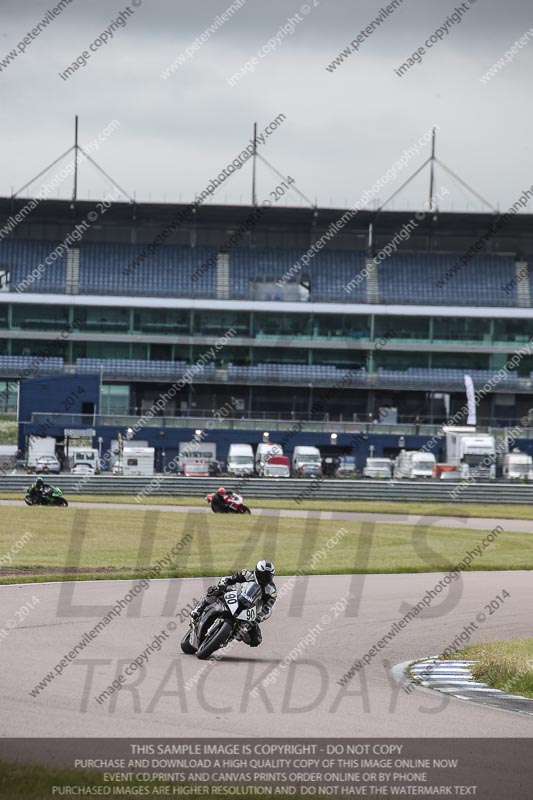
469 385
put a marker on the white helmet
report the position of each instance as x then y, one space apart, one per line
264 572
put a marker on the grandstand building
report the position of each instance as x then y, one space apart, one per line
269 306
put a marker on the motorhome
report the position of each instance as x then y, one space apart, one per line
412 464
517 466
136 461
306 460
240 460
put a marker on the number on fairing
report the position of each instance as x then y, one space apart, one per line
232 602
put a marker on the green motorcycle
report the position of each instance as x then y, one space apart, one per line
50 497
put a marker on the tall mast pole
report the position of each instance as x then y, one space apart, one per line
75 194
254 195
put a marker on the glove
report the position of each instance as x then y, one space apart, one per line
223 583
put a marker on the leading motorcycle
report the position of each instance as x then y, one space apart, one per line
53 497
227 618
233 504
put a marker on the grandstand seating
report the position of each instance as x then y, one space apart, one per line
328 271
22 257
168 272
29 366
413 279
410 278
132 368
316 374
431 376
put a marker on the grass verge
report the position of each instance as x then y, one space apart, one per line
506 664
496 510
103 543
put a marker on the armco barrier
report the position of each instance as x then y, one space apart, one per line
284 489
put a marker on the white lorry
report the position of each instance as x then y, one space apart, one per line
306 461
517 466
378 468
240 460
39 446
474 454
412 464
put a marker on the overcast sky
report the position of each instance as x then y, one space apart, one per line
343 130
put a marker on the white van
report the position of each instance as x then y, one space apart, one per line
413 464
240 460
263 453
306 459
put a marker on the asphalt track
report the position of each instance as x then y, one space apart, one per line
304 699
467 523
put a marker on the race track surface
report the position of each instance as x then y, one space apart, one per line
172 697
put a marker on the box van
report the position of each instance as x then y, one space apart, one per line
240 459
264 451
306 460
414 464
277 467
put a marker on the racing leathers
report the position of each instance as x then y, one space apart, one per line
269 594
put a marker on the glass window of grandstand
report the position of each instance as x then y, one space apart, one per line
103 319
3 315
342 359
513 330
161 320
280 355
217 323
461 329
401 328
341 326
461 361
39 317
108 350
400 362
8 397
42 348
274 325
114 399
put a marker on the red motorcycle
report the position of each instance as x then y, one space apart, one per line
232 503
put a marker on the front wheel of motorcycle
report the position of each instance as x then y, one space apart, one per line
247 510
186 645
215 640
64 503
28 501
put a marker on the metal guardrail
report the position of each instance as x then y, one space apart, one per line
286 489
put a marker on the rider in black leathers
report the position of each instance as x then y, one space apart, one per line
262 574
39 488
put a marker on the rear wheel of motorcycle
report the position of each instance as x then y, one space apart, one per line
215 640
186 645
